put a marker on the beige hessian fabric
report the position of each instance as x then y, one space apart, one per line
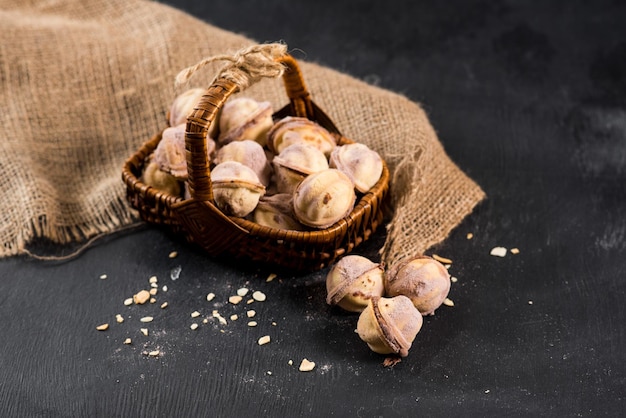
84 82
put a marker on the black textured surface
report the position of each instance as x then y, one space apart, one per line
529 99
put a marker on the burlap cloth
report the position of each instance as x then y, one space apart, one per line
84 82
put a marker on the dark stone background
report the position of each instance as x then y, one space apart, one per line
529 98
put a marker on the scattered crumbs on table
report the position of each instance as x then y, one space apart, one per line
194 326
173 254
128 301
210 297
264 340
128 341
250 313
102 327
469 235
195 314
453 279
119 318
514 251
271 277
164 288
153 280
144 331
146 319
448 302
252 324
242 291
234 317
103 277
498 252
530 302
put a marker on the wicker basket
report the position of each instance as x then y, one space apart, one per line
203 223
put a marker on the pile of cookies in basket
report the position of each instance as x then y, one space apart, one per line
289 173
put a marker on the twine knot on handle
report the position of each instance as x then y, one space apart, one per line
245 67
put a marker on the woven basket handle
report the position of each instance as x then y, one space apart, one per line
246 69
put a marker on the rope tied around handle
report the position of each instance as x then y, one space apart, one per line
245 67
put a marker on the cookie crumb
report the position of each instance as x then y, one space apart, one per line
102 327
173 254
219 317
235 299
498 251
306 365
264 340
210 297
141 297
259 296
147 319
128 341
391 361
448 302
442 260
514 250
271 277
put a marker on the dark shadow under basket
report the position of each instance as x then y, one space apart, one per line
204 224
